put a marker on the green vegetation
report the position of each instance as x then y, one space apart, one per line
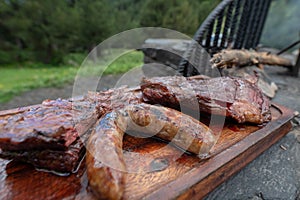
58 34
124 63
184 16
46 31
52 37
14 80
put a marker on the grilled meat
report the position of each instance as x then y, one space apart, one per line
114 99
52 160
55 124
47 135
227 96
105 162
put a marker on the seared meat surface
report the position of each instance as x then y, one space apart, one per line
55 124
231 97
48 159
49 135
115 98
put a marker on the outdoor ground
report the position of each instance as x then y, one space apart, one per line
273 175
36 96
276 173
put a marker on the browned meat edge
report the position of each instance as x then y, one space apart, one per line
52 160
226 96
53 125
48 134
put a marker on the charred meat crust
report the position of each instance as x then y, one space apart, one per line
227 96
55 125
53 160
47 135
115 98
104 160
44 135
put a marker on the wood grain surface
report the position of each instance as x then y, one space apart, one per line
157 170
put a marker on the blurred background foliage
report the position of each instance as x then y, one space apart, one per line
47 31
43 42
53 31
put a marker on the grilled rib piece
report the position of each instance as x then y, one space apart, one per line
227 96
47 135
56 161
104 159
55 124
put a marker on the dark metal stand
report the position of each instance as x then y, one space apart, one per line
295 69
233 24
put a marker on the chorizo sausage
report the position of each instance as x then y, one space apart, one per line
105 162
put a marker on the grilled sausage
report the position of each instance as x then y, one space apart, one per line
105 162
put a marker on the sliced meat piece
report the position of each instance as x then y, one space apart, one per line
227 96
47 135
55 124
51 160
115 98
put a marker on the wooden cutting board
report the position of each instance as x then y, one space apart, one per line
165 172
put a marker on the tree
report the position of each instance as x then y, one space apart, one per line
46 31
183 16
96 22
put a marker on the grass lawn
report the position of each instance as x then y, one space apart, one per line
17 79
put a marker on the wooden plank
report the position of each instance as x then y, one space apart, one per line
236 164
204 178
163 170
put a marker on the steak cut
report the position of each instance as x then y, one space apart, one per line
55 124
226 96
56 161
51 135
